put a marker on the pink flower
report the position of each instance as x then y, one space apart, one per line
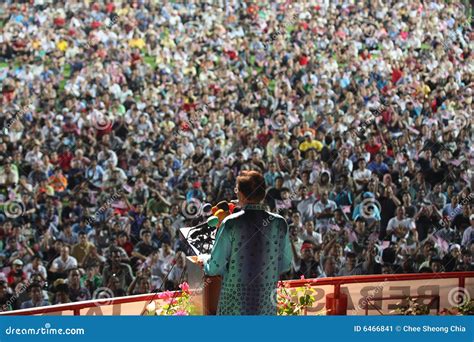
302 277
184 287
166 295
181 313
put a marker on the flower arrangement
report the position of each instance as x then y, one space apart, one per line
412 308
464 309
176 305
294 302
290 301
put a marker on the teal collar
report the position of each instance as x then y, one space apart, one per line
256 207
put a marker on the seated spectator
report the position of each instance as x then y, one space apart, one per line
400 221
91 279
36 295
76 291
68 236
118 269
61 293
36 267
324 212
8 301
437 197
145 247
93 258
140 285
351 266
159 236
16 274
305 265
81 249
177 273
61 266
377 166
468 235
310 235
329 268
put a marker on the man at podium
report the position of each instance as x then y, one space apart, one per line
251 250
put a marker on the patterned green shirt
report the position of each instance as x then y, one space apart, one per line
252 249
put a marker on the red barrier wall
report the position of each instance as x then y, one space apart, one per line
352 286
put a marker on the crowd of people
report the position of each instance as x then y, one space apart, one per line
120 119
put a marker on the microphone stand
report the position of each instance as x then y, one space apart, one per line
161 288
158 290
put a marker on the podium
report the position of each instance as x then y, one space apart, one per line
197 280
211 285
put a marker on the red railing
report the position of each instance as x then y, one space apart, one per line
77 307
381 277
336 282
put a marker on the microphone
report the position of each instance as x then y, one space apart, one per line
206 208
211 222
223 205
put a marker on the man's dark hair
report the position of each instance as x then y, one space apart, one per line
252 185
35 285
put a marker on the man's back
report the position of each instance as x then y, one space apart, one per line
253 249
